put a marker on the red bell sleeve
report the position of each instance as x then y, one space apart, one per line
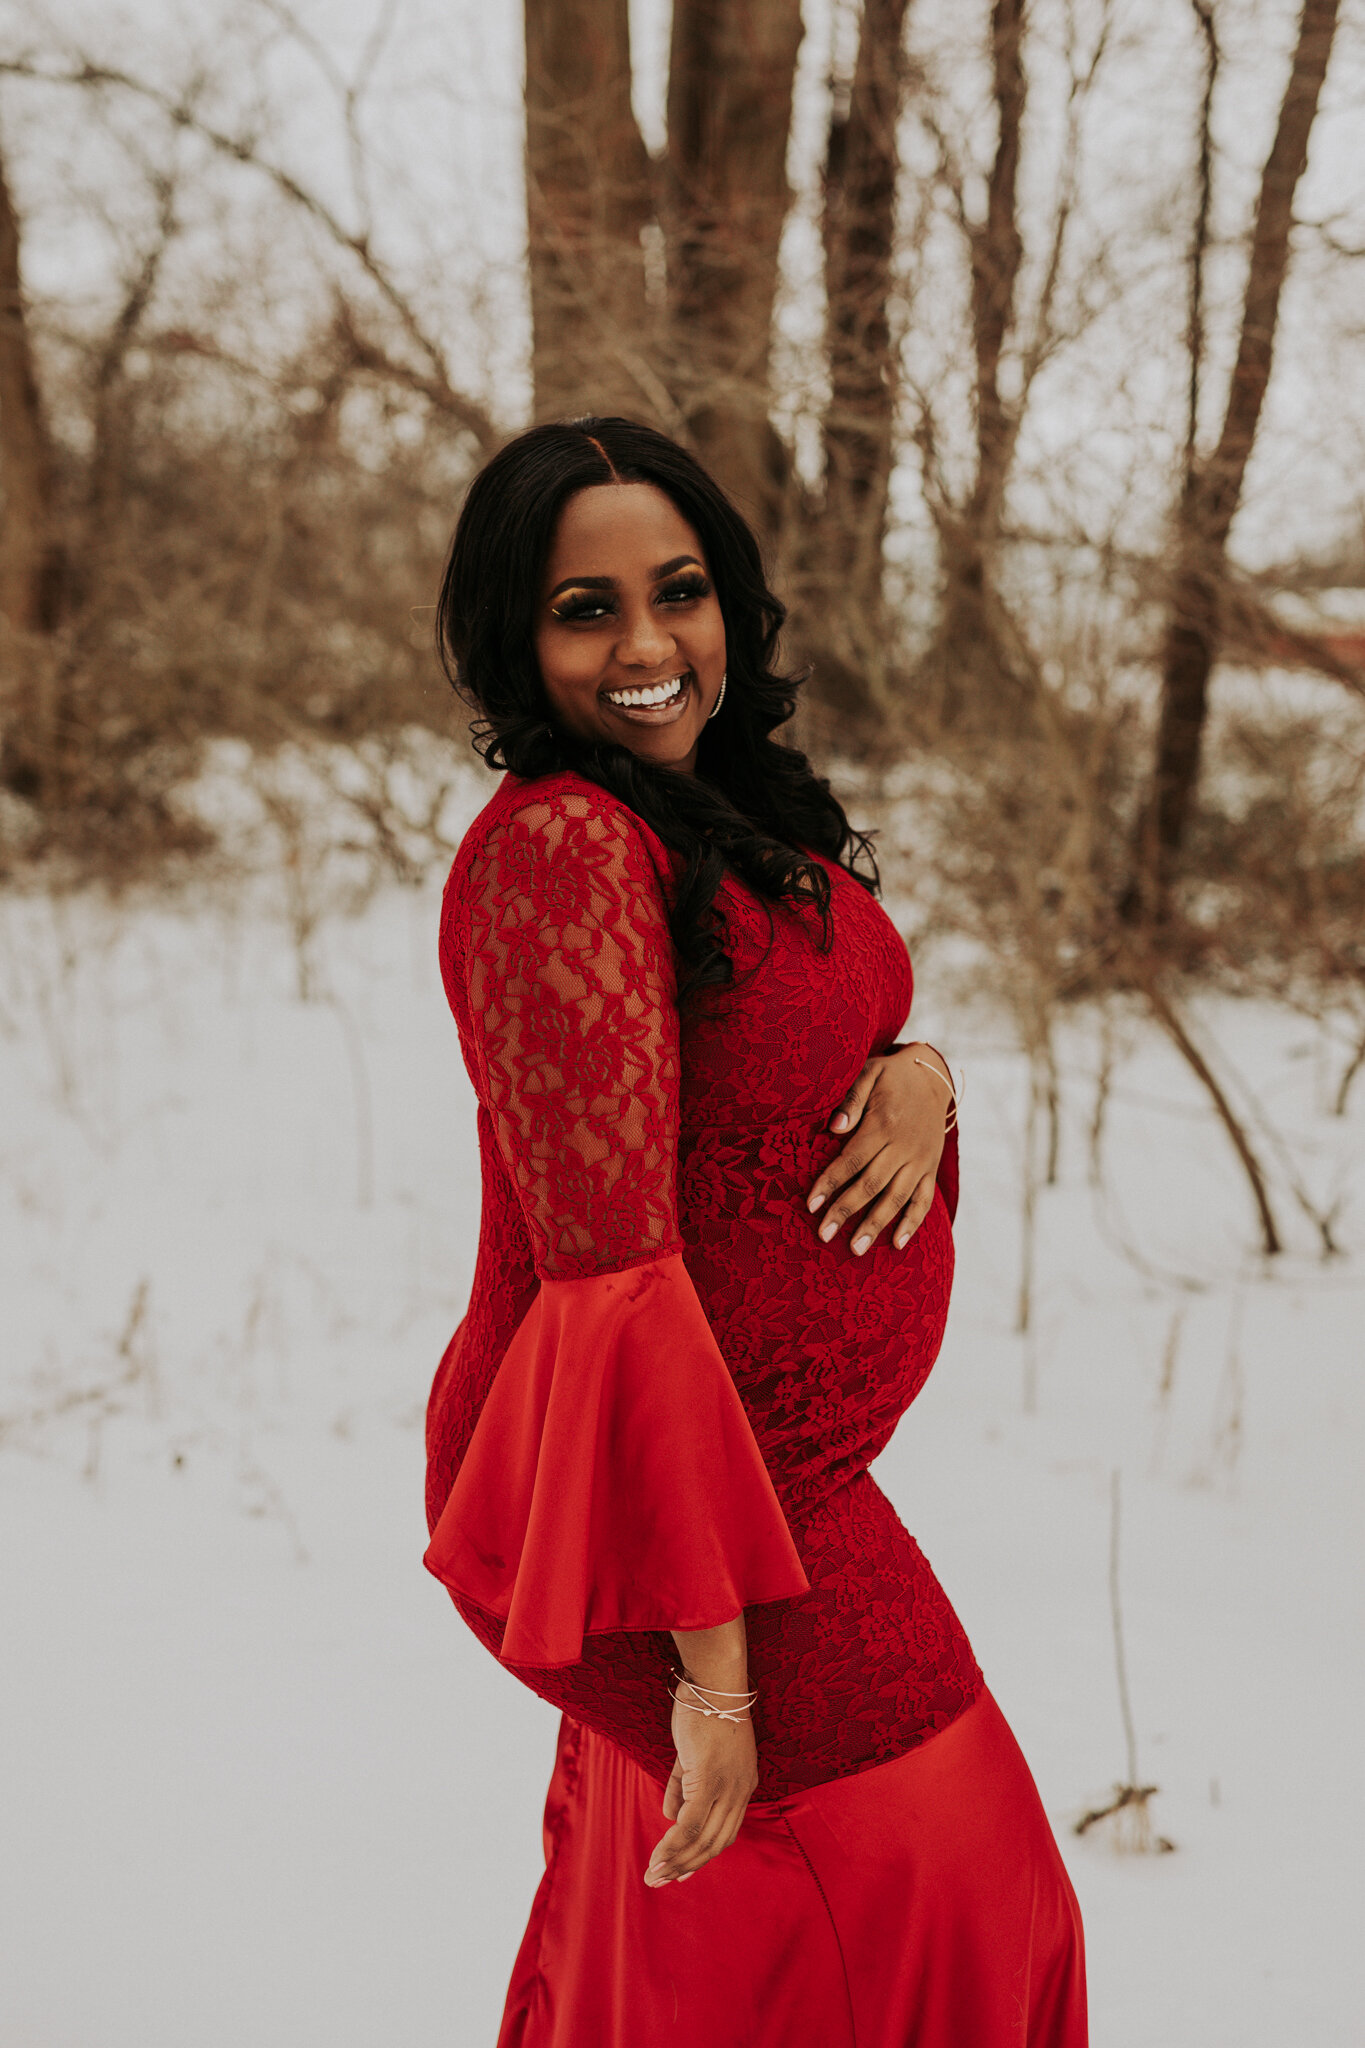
613 1480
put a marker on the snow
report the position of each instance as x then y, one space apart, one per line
259 1785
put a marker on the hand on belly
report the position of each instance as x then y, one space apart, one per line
896 1118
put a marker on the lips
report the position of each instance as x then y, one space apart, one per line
666 692
652 703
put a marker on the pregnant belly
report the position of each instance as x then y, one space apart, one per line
827 1350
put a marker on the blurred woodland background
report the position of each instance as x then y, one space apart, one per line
1029 334
1025 332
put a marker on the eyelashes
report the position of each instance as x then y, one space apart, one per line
590 606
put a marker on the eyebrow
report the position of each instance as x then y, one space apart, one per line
610 582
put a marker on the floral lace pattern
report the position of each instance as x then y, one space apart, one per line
611 1133
570 978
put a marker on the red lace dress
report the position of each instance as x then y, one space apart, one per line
664 1397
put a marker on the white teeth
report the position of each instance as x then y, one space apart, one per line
660 693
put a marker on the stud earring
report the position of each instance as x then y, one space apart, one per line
720 697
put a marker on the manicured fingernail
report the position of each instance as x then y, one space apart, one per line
901 1243
828 1229
686 1874
815 1202
860 1245
839 1122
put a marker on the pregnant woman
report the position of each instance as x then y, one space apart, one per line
713 1273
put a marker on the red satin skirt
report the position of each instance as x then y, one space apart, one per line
919 1904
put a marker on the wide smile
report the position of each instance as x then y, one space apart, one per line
652 703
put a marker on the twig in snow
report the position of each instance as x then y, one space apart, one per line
1128 1807
266 1501
1167 1016
107 1398
1322 1219
1104 1082
1028 1212
1230 1404
1116 1611
1353 1067
364 1111
1166 1385
299 871
1052 1095
1044 1101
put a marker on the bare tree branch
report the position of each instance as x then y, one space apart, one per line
349 92
1166 1014
181 111
1220 485
1213 487
141 285
1199 239
1044 338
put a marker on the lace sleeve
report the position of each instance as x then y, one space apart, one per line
572 1001
612 1480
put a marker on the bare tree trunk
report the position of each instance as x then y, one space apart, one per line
978 642
30 544
699 365
1212 489
861 171
979 656
588 196
997 253
732 68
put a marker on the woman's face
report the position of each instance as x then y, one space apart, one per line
629 633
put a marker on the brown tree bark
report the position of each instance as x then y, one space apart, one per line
1212 488
980 646
997 253
30 543
588 196
732 67
861 171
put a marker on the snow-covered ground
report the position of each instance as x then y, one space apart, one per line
258 1788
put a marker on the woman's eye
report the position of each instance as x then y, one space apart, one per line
683 593
581 608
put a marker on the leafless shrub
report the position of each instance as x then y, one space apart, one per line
96 1399
1019 841
262 577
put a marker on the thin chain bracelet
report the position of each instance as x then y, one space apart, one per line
954 1088
736 1715
739 1717
683 1679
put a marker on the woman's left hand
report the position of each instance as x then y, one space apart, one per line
896 1115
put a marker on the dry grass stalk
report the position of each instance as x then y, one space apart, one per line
1128 1814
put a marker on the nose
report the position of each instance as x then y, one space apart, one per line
645 640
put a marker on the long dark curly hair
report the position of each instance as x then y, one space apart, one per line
754 807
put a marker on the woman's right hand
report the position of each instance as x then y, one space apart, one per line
713 1781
